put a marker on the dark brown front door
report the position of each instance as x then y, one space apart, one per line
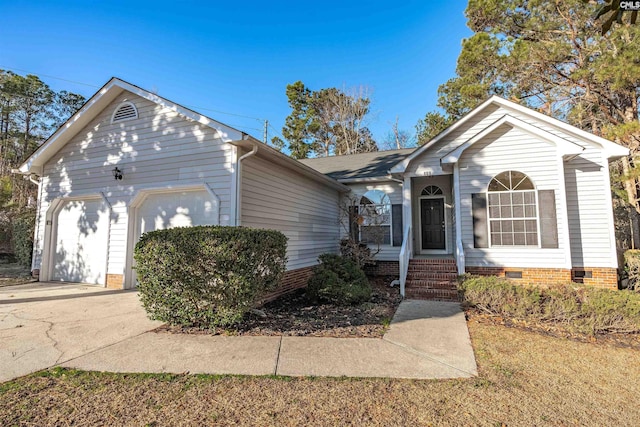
432 223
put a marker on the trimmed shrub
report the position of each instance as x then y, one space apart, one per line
207 276
357 252
22 237
578 308
337 280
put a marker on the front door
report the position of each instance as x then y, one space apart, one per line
432 224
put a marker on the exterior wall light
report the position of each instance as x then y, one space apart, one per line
117 173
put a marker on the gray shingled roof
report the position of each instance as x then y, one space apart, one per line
365 165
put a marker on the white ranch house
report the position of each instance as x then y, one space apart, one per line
505 190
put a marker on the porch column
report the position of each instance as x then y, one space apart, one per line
407 217
460 262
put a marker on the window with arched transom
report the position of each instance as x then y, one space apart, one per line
375 218
512 210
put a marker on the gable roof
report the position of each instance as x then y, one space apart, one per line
358 167
611 149
103 97
565 147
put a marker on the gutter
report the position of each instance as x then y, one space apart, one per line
253 152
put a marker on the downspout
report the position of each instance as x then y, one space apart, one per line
239 183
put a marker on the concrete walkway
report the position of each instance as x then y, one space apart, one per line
101 330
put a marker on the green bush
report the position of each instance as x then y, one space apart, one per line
207 276
337 280
579 308
22 237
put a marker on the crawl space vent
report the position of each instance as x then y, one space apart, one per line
125 111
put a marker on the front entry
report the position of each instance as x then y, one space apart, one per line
432 224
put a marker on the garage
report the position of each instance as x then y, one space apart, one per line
176 209
81 237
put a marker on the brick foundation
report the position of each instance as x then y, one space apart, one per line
292 280
601 277
383 268
115 281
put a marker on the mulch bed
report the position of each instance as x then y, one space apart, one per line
555 330
294 315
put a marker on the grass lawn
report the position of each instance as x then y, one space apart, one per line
526 378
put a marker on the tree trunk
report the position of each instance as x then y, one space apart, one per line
632 195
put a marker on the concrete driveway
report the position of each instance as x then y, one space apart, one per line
46 324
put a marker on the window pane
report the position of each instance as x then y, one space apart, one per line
507 239
494 199
518 226
375 234
532 239
518 198
496 239
507 226
505 199
494 212
519 239
495 226
518 211
530 211
531 226
505 212
529 198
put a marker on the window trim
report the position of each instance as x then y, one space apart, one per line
491 245
390 225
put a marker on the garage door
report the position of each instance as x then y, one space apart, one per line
81 241
176 209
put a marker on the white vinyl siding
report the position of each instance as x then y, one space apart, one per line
277 198
394 191
428 164
157 149
589 228
502 150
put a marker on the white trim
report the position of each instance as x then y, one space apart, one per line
98 102
611 149
460 257
132 213
609 198
565 147
36 231
446 225
537 218
234 185
407 214
563 203
51 228
121 105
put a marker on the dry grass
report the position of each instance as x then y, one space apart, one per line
525 379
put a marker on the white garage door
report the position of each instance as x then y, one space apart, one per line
82 229
176 209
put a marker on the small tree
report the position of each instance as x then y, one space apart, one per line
353 215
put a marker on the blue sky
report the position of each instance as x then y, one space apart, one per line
238 57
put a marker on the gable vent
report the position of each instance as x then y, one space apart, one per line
124 111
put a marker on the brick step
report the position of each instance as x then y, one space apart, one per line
432 294
432 261
446 268
437 275
431 284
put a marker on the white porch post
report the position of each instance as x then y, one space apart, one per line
407 217
460 262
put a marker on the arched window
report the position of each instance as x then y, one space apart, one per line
513 210
375 218
432 190
124 111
